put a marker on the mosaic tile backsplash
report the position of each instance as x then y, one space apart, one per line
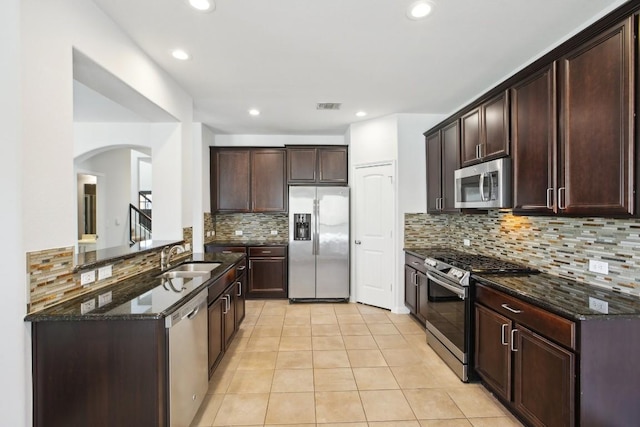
209 227
254 226
556 245
52 280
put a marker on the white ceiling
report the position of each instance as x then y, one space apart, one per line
284 56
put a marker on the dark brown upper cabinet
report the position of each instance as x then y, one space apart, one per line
533 139
485 131
317 165
442 160
596 140
248 180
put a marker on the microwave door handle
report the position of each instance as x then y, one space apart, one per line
482 186
491 195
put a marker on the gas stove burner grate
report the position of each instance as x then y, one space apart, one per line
482 263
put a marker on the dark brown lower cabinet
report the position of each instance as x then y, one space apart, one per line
529 371
267 272
216 333
544 380
554 371
415 287
100 373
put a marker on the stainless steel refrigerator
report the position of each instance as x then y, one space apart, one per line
318 243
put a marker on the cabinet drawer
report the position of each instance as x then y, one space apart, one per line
267 251
552 326
414 262
216 249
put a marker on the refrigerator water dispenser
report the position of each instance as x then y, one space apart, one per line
302 230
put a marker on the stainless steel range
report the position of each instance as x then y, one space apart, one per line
450 322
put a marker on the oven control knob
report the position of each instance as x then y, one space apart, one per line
430 262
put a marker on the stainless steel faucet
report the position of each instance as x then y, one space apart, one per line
166 254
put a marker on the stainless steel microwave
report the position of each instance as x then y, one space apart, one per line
486 185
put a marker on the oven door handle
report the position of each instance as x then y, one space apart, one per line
460 292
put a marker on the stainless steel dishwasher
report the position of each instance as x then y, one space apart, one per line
188 375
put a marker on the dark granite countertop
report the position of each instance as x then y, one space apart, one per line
559 295
144 296
248 243
562 296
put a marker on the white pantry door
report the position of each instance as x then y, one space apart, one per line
374 207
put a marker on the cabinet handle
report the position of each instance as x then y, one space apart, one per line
513 310
227 252
242 267
415 263
239 289
415 279
549 197
503 337
266 252
562 191
513 340
441 203
226 307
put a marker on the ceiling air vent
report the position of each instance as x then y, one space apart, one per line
328 106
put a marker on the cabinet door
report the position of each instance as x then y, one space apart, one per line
230 180
495 128
470 139
240 288
229 315
492 352
268 180
267 278
332 165
596 138
434 172
301 165
410 289
216 333
544 380
450 162
533 129
422 296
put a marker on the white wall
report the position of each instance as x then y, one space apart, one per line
15 394
398 138
114 166
50 30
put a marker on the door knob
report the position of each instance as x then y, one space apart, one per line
358 242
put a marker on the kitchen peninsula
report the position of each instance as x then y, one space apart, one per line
111 365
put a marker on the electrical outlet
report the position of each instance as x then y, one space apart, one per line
187 247
105 272
274 232
87 306
238 232
598 305
466 242
88 277
104 299
598 266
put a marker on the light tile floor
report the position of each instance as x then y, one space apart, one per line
339 365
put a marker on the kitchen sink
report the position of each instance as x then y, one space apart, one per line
194 267
190 269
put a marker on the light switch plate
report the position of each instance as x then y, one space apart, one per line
238 232
274 232
105 272
598 266
466 242
88 277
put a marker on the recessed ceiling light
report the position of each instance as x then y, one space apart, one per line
180 54
361 113
202 5
254 112
419 9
